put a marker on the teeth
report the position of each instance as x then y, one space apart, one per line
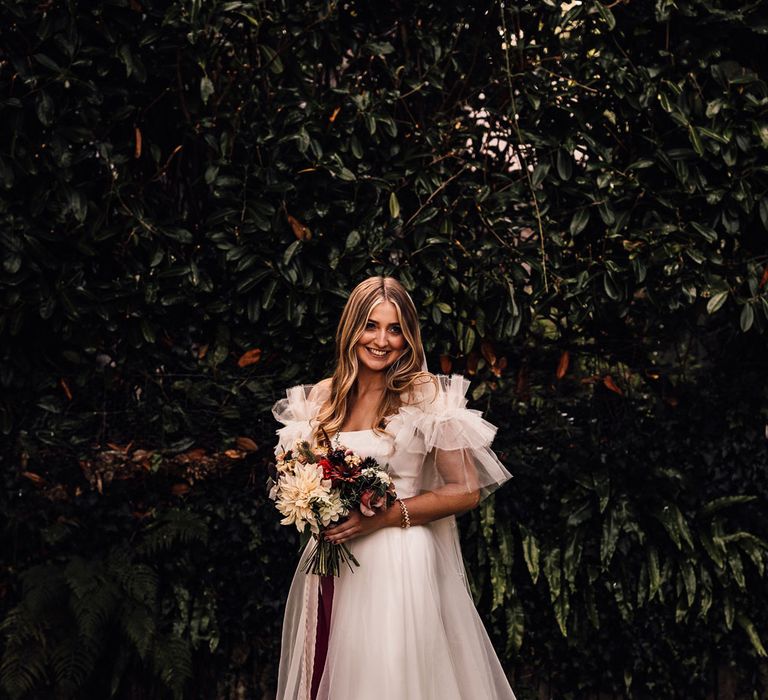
378 353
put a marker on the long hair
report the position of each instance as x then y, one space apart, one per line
401 376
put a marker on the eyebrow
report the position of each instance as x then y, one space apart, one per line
395 323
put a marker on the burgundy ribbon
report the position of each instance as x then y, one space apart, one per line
324 609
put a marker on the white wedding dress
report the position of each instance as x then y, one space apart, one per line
403 624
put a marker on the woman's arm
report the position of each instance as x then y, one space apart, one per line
422 509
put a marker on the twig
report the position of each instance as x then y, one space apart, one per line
433 195
180 83
520 144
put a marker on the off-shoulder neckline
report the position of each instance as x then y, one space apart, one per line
387 420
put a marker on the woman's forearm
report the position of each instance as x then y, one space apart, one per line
430 506
422 509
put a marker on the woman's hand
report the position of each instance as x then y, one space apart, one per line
355 525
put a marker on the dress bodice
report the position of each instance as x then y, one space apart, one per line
403 466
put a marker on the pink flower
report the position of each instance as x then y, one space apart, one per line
369 502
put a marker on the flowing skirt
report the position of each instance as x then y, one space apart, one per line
403 625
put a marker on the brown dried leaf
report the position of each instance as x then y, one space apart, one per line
251 357
234 454
472 360
34 478
562 365
764 278
610 384
486 347
301 231
445 364
65 387
117 448
246 444
180 489
191 455
335 114
137 150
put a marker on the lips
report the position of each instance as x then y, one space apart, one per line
377 353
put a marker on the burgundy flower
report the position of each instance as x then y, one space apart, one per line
341 471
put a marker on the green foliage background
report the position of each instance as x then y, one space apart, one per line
576 198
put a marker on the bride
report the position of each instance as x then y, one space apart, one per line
402 625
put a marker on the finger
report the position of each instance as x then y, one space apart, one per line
333 536
332 530
342 534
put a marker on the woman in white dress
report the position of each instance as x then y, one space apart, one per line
402 625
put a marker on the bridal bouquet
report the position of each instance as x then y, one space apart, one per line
317 486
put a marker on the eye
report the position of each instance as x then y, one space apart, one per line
396 329
370 324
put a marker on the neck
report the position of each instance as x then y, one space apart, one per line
369 381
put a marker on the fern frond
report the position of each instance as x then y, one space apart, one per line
22 669
139 582
174 527
20 626
73 660
92 612
172 661
83 577
139 627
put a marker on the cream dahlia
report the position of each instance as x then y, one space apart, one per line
298 492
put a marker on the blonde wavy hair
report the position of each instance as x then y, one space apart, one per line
404 374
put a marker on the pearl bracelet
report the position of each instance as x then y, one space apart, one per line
405 519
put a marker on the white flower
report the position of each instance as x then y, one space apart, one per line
379 474
331 509
299 492
282 466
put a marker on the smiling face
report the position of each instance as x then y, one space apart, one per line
382 341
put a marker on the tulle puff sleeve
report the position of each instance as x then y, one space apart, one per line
296 412
455 441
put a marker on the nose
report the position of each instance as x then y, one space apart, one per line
381 337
